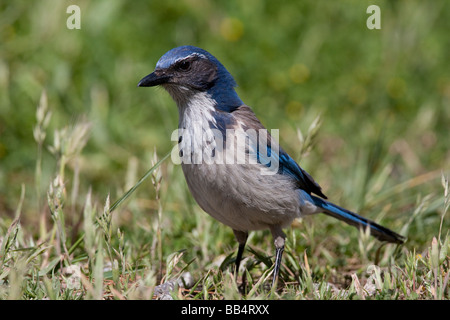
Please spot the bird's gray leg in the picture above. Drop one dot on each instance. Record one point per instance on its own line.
(241, 238)
(279, 239)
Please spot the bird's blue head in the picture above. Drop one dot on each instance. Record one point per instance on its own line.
(187, 70)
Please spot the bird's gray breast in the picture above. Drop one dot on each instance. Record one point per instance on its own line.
(240, 197)
(236, 194)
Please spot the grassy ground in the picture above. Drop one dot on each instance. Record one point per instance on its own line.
(76, 134)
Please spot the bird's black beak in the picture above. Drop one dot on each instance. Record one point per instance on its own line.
(154, 79)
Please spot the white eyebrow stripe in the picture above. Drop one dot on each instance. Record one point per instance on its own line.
(191, 55)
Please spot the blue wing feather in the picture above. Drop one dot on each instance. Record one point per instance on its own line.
(286, 165)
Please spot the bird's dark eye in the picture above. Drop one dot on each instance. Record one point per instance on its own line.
(184, 65)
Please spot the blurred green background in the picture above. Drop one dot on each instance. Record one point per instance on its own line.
(383, 95)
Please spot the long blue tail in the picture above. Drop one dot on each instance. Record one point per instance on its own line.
(379, 232)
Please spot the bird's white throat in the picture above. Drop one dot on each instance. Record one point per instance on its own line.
(195, 136)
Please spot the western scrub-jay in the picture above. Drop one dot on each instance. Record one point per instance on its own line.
(233, 167)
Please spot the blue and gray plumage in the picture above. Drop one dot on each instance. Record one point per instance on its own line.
(242, 195)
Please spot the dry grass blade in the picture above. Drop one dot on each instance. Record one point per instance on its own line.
(132, 189)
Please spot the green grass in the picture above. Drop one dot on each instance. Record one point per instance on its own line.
(367, 113)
